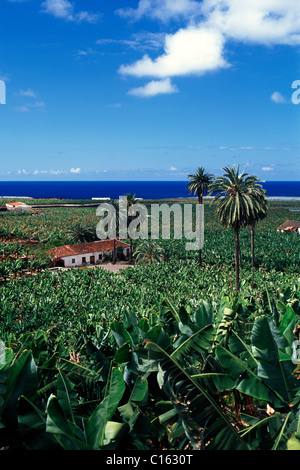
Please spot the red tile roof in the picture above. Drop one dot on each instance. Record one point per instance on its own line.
(16, 204)
(82, 248)
(290, 225)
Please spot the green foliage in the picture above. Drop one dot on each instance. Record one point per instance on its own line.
(63, 304)
(199, 182)
(172, 378)
(149, 252)
(81, 233)
(165, 355)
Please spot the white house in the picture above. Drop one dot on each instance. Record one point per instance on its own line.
(290, 226)
(100, 198)
(18, 206)
(87, 254)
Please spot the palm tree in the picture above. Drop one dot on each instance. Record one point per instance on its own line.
(81, 233)
(199, 184)
(235, 206)
(149, 252)
(260, 207)
(130, 202)
(115, 217)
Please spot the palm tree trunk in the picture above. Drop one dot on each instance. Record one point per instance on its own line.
(240, 257)
(200, 251)
(252, 251)
(115, 257)
(237, 264)
(252, 244)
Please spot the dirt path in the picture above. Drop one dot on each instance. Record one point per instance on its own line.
(114, 267)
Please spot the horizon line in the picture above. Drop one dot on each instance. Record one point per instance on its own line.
(126, 181)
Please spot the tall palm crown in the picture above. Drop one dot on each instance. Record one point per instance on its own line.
(260, 203)
(259, 212)
(232, 192)
(130, 202)
(81, 233)
(200, 182)
(236, 195)
(149, 252)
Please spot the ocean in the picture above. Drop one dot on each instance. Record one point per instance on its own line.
(115, 189)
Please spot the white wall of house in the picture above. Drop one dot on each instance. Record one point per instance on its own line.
(22, 207)
(87, 259)
(282, 231)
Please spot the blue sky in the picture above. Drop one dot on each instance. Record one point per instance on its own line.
(149, 89)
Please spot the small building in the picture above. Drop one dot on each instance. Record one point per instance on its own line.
(100, 198)
(18, 206)
(290, 226)
(87, 254)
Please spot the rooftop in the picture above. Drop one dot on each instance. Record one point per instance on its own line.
(290, 225)
(82, 248)
(16, 204)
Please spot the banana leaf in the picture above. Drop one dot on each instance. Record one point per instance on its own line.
(19, 378)
(68, 435)
(205, 424)
(95, 429)
(275, 368)
(32, 425)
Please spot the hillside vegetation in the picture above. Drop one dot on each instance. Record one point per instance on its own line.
(160, 356)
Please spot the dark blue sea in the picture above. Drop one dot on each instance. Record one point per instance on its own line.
(115, 189)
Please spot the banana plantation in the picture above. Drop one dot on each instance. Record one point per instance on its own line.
(167, 355)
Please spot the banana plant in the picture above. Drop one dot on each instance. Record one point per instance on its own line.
(18, 376)
(204, 423)
(261, 368)
(99, 431)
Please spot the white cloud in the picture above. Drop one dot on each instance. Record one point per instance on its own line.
(142, 41)
(173, 168)
(26, 108)
(188, 51)
(57, 172)
(65, 10)
(51, 172)
(85, 53)
(224, 147)
(156, 87)
(208, 26)
(277, 97)
(58, 8)
(86, 16)
(4, 77)
(29, 93)
(267, 168)
(163, 10)
(40, 172)
(258, 21)
(80, 53)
